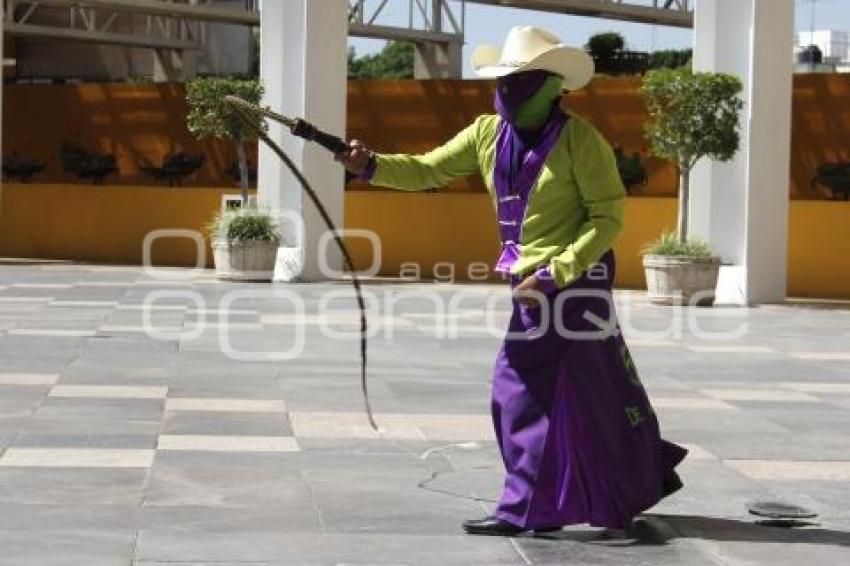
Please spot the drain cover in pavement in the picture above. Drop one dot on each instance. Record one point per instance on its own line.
(777, 510)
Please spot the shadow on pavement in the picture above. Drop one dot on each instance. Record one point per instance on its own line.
(659, 529)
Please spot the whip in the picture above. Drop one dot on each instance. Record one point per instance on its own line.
(250, 113)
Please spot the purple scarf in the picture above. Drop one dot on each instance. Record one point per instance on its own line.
(519, 160)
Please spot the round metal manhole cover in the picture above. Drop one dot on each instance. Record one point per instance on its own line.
(778, 510)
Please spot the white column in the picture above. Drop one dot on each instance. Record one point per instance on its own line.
(303, 66)
(741, 207)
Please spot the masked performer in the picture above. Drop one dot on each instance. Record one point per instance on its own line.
(577, 434)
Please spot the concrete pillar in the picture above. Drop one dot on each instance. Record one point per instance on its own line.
(432, 61)
(303, 66)
(171, 65)
(741, 207)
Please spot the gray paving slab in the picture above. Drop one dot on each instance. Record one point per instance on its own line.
(347, 495)
(235, 424)
(72, 486)
(266, 543)
(102, 535)
(174, 484)
(117, 410)
(78, 425)
(27, 439)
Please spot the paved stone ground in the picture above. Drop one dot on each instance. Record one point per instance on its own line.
(123, 448)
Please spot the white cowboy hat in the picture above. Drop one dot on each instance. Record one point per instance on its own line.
(529, 48)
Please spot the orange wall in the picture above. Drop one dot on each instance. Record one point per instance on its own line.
(137, 123)
(820, 128)
(144, 122)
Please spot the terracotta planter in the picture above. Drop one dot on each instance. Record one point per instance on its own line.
(244, 261)
(681, 280)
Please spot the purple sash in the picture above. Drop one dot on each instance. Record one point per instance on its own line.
(512, 201)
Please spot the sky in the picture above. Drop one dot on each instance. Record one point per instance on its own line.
(487, 24)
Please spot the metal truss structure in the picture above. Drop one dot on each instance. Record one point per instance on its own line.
(157, 24)
(675, 13)
(428, 21)
(181, 24)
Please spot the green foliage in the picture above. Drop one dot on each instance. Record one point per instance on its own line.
(610, 56)
(811, 54)
(692, 115)
(20, 167)
(631, 169)
(605, 45)
(670, 58)
(85, 165)
(835, 176)
(394, 61)
(244, 225)
(209, 114)
(668, 244)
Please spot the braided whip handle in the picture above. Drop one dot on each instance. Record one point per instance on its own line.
(249, 113)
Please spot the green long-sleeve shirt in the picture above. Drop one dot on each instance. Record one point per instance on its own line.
(575, 209)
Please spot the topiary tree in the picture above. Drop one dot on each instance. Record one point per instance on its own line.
(811, 54)
(605, 46)
(691, 116)
(210, 116)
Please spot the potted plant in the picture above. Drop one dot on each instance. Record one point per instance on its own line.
(22, 168)
(835, 176)
(85, 165)
(175, 166)
(691, 116)
(244, 242)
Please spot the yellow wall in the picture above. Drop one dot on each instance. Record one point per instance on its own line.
(818, 249)
(460, 228)
(103, 223)
(109, 223)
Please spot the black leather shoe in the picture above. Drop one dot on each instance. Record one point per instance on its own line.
(492, 526)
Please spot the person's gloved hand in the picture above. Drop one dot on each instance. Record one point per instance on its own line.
(356, 158)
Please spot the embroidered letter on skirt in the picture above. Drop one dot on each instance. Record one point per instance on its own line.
(577, 433)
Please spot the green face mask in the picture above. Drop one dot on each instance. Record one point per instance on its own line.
(533, 113)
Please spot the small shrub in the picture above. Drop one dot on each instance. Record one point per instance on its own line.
(247, 224)
(668, 244)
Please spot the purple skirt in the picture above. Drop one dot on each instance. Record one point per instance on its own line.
(576, 430)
